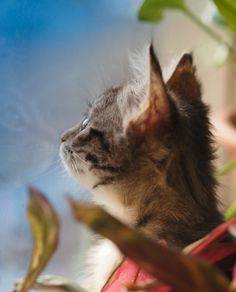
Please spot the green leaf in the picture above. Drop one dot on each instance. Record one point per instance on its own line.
(228, 167)
(218, 19)
(45, 231)
(227, 9)
(153, 10)
(231, 212)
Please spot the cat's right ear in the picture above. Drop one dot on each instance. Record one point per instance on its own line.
(183, 82)
(156, 107)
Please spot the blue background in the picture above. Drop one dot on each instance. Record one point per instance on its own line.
(54, 56)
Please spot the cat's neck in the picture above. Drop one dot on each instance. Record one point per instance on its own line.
(158, 211)
(112, 201)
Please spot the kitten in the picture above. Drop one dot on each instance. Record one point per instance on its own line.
(145, 151)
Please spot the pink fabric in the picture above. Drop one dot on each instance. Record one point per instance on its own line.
(130, 273)
(125, 274)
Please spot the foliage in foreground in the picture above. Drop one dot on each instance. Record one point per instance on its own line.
(154, 266)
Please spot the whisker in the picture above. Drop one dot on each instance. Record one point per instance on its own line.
(73, 164)
(77, 156)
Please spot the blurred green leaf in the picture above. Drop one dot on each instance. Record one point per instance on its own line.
(231, 212)
(227, 9)
(184, 272)
(218, 19)
(45, 228)
(153, 10)
(227, 168)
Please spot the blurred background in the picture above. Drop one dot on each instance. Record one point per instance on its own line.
(55, 56)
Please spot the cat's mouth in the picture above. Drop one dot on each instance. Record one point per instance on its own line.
(70, 160)
(65, 152)
(77, 166)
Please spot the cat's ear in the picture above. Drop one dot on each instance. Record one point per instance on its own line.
(183, 82)
(156, 106)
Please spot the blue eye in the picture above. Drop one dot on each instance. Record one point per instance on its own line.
(84, 123)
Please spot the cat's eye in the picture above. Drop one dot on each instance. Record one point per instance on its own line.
(84, 123)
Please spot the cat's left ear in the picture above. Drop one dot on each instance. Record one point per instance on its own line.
(156, 107)
(183, 82)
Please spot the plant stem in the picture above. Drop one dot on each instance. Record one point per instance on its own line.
(208, 30)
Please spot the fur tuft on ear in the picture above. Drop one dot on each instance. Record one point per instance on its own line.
(183, 82)
(139, 69)
(156, 104)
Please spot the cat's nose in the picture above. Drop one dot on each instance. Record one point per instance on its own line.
(69, 134)
(65, 136)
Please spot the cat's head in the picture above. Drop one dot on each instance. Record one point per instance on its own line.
(144, 133)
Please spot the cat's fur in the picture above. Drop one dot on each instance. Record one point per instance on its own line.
(146, 154)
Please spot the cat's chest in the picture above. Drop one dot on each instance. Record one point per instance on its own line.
(109, 199)
(103, 259)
